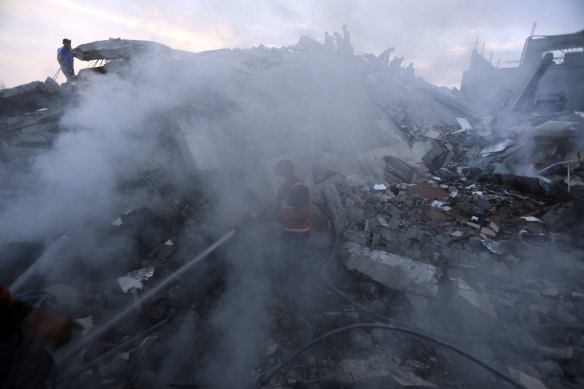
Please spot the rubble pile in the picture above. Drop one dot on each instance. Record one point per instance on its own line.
(481, 252)
(428, 213)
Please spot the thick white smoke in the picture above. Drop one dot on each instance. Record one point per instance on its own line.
(238, 109)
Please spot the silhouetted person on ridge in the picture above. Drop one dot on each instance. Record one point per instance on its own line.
(395, 63)
(561, 101)
(409, 70)
(65, 57)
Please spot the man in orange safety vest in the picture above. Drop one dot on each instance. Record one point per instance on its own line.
(294, 210)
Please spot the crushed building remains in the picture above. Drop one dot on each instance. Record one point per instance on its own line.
(547, 67)
(133, 199)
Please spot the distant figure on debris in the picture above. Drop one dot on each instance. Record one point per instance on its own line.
(24, 360)
(561, 101)
(65, 57)
(347, 48)
(294, 204)
(395, 63)
(409, 71)
(343, 43)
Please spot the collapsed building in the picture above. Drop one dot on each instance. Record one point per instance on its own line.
(446, 248)
(545, 74)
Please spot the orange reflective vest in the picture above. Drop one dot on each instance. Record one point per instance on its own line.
(295, 225)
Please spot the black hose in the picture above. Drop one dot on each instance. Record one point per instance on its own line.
(406, 330)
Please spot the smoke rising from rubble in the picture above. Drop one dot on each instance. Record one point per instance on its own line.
(239, 110)
(108, 140)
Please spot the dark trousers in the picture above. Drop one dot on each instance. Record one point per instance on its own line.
(25, 363)
(68, 72)
(290, 268)
(291, 252)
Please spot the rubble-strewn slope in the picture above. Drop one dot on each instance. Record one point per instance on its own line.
(114, 181)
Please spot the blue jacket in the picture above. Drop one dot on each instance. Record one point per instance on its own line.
(65, 57)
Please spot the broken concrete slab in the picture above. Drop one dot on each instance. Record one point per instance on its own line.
(434, 157)
(360, 237)
(527, 380)
(26, 98)
(392, 270)
(120, 49)
(556, 352)
(478, 300)
(464, 124)
(397, 168)
(496, 148)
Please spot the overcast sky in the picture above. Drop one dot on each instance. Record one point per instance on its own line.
(436, 35)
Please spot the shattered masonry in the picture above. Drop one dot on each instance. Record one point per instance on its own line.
(455, 212)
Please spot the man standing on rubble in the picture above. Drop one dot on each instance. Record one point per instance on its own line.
(65, 57)
(24, 360)
(561, 101)
(294, 210)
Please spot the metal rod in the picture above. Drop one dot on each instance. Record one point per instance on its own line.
(130, 308)
(556, 164)
(562, 163)
(568, 178)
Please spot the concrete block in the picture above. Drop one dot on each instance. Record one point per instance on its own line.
(418, 303)
(388, 236)
(52, 86)
(392, 270)
(488, 232)
(473, 225)
(393, 211)
(556, 352)
(528, 381)
(355, 215)
(494, 227)
(431, 158)
(414, 235)
(359, 237)
(394, 223)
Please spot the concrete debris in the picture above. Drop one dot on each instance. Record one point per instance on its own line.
(397, 170)
(462, 216)
(496, 148)
(495, 247)
(169, 243)
(133, 280)
(120, 49)
(85, 323)
(406, 379)
(391, 270)
(556, 353)
(29, 97)
(527, 380)
(464, 124)
(478, 300)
